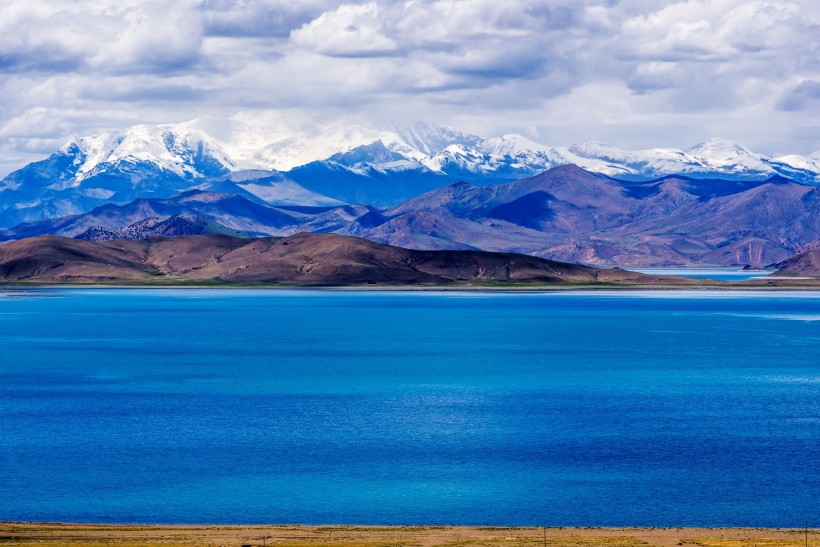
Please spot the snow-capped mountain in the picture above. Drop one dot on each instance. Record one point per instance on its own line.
(144, 161)
(281, 140)
(716, 158)
(178, 150)
(508, 157)
(288, 158)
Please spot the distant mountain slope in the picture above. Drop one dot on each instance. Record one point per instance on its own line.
(175, 226)
(303, 259)
(223, 213)
(716, 158)
(565, 214)
(283, 159)
(87, 173)
(572, 215)
(375, 184)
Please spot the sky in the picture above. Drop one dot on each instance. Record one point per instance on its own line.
(632, 73)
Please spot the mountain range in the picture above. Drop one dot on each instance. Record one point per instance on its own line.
(194, 211)
(422, 187)
(565, 213)
(282, 159)
(573, 215)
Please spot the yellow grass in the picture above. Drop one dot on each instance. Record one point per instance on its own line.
(53, 535)
(797, 541)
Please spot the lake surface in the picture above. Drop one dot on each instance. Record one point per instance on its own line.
(720, 274)
(252, 406)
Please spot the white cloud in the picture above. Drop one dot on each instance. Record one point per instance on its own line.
(631, 72)
(160, 38)
(258, 18)
(350, 30)
(35, 123)
(131, 36)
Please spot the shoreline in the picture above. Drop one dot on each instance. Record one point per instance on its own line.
(712, 286)
(45, 534)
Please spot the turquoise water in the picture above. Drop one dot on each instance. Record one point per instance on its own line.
(720, 274)
(241, 406)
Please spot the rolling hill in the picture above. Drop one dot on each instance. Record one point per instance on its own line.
(302, 259)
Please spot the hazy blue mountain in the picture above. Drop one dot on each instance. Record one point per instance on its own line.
(175, 226)
(572, 215)
(225, 213)
(367, 184)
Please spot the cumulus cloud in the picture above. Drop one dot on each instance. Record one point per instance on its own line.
(258, 18)
(634, 72)
(35, 123)
(130, 36)
(350, 30)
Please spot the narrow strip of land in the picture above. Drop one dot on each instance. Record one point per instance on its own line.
(47, 535)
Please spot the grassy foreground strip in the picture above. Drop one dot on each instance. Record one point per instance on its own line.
(47, 535)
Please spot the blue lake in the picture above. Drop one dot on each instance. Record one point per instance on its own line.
(253, 406)
(719, 274)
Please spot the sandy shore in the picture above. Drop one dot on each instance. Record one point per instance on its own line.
(42, 535)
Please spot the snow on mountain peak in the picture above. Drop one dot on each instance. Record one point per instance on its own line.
(798, 164)
(598, 150)
(433, 139)
(613, 161)
(719, 149)
(237, 154)
(91, 151)
(512, 144)
(730, 157)
(173, 148)
(283, 140)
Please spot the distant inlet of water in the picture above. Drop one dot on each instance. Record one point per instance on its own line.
(720, 274)
(654, 408)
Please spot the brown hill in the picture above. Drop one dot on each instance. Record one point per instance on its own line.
(805, 263)
(302, 259)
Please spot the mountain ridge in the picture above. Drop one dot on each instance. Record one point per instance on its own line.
(572, 215)
(284, 159)
(231, 212)
(565, 214)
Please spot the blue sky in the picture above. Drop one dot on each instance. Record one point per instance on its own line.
(634, 73)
